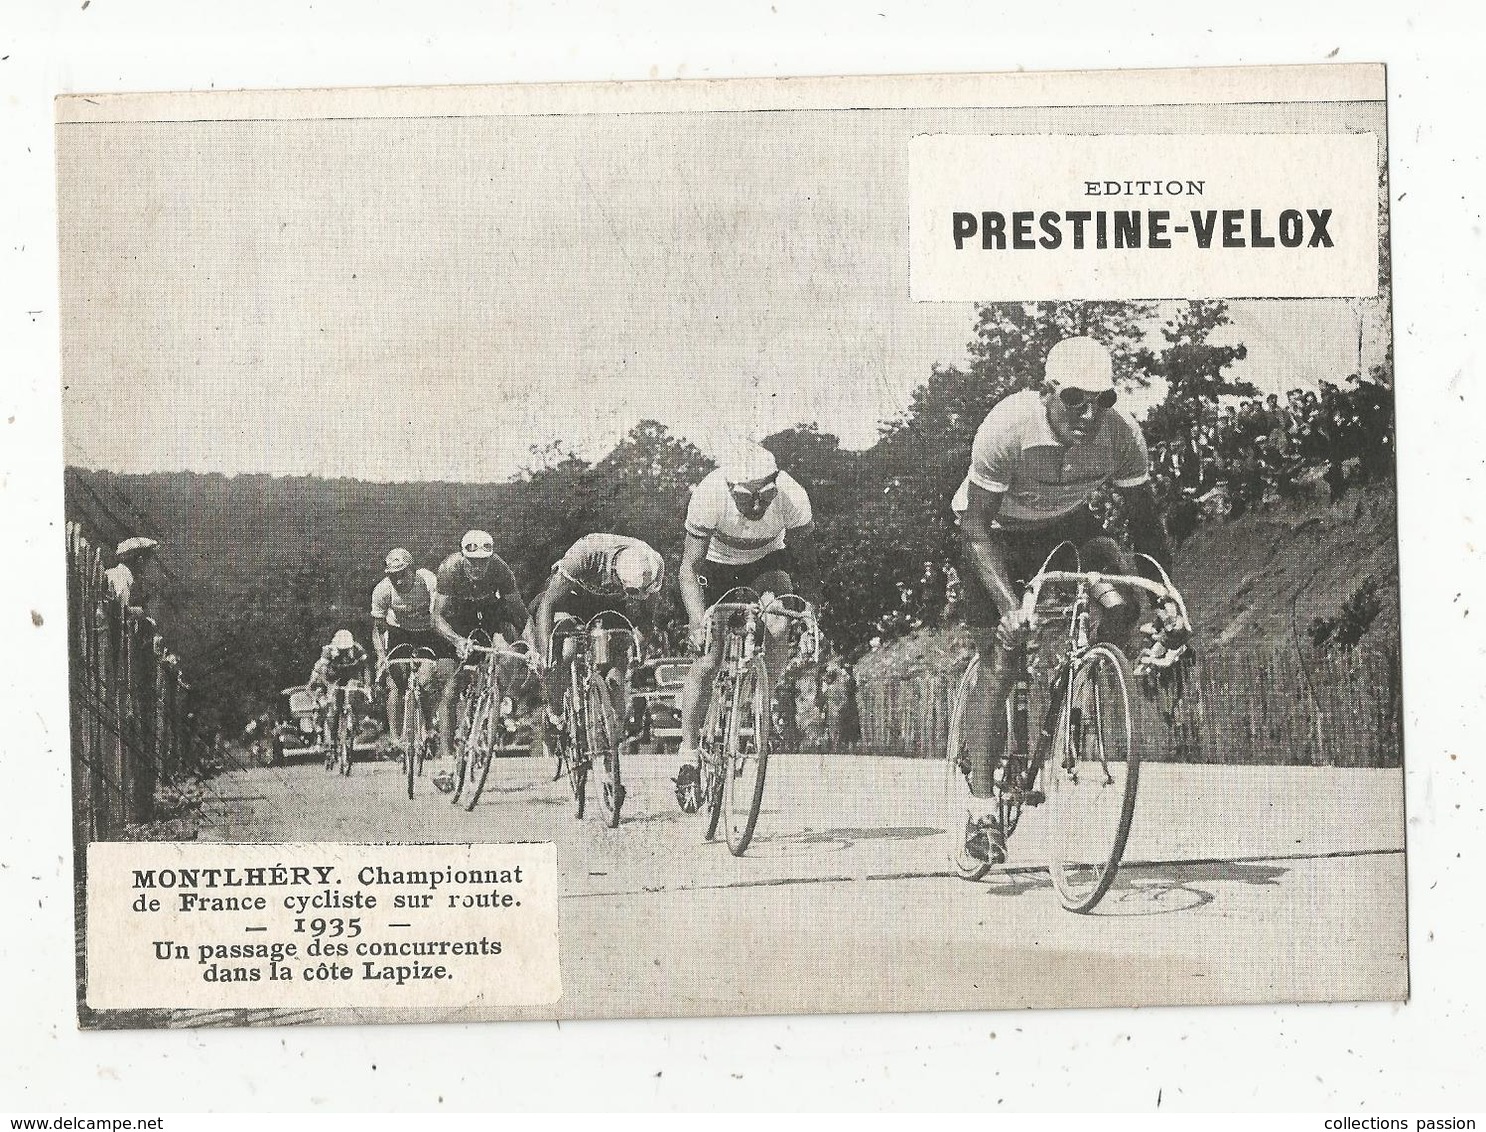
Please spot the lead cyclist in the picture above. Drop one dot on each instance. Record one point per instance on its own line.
(1038, 459)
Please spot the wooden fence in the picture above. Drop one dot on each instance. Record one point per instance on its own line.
(1263, 706)
(130, 728)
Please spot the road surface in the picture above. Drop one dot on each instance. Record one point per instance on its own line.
(1242, 884)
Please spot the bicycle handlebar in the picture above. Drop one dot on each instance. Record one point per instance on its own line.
(775, 608)
(520, 651)
(1158, 590)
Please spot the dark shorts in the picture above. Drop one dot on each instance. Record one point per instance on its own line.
(464, 620)
(419, 643)
(583, 607)
(1028, 550)
(717, 578)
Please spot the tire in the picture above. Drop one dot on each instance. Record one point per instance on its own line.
(346, 745)
(748, 755)
(574, 740)
(1092, 774)
(712, 771)
(412, 734)
(603, 748)
(957, 781)
(464, 711)
(481, 744)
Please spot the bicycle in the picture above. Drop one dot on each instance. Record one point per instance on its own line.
(339, 753)
(735, 739)
(1085, 765)
(416, 736)
(590, 733)
(480, 735)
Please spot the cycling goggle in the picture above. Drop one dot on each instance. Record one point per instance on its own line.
(749, 499)
(1078, 398)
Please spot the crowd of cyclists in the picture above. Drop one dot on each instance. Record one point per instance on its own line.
(748, 525)
(1041, 462)
(1241, 457)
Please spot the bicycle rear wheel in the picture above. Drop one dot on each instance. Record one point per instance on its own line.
(603, 748)
(1093, 772)
(748, 755)
(957, 779)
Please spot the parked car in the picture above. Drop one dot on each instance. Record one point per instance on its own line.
(654, 716)
(297, 731)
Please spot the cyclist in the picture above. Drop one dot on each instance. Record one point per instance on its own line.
(1037, 460)
(600, 573)
(475, 589)
(748, 524)
(342, 662)
(402, 615)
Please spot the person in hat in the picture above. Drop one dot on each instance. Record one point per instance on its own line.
(126, 578)
(342, 663)
(1037, 461)
(402, 620)
(749, 524)
(600, 573)
(475, 590)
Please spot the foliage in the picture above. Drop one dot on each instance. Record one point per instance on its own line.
(265, 568)
(1346, 629)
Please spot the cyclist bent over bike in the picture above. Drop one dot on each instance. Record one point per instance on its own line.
(475, 590)
(1037, 460)
(737, 525)
(599, 574)
(342, 662)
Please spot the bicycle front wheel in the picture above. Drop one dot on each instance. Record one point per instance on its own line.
(480, 743)
(1092, 774)
(748, 755)
(603, 748)
(346, 745)
(412, 734)
(957, 779)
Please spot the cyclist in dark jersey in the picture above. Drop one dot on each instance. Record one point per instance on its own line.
(475, 590)
(600, 573)
(342, 663)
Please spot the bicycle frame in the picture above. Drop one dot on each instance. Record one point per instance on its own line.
(729, 747)
(587, 741)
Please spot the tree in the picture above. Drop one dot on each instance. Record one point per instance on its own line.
(1190, 363)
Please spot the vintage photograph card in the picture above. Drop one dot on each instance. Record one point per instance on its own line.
(732, 547)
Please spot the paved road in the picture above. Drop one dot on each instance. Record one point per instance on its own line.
(1247, 885)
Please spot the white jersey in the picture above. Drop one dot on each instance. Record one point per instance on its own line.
(736, 541)
(413, 610)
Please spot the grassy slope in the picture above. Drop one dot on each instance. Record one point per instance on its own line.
(1258, 580)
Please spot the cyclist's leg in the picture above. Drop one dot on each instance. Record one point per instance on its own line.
(1119, 607)
(776, 640)
(985, 713)
(561, 649)
(696, 697)
(451, 675)
(393, 681)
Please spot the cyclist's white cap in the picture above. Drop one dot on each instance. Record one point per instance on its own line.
(477, 544)
(746, 462)
(1080, 363)
(342, 640)
(134, 546)
(398, 560)
(640, 569)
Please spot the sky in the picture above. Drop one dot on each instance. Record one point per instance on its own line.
(408, 299)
